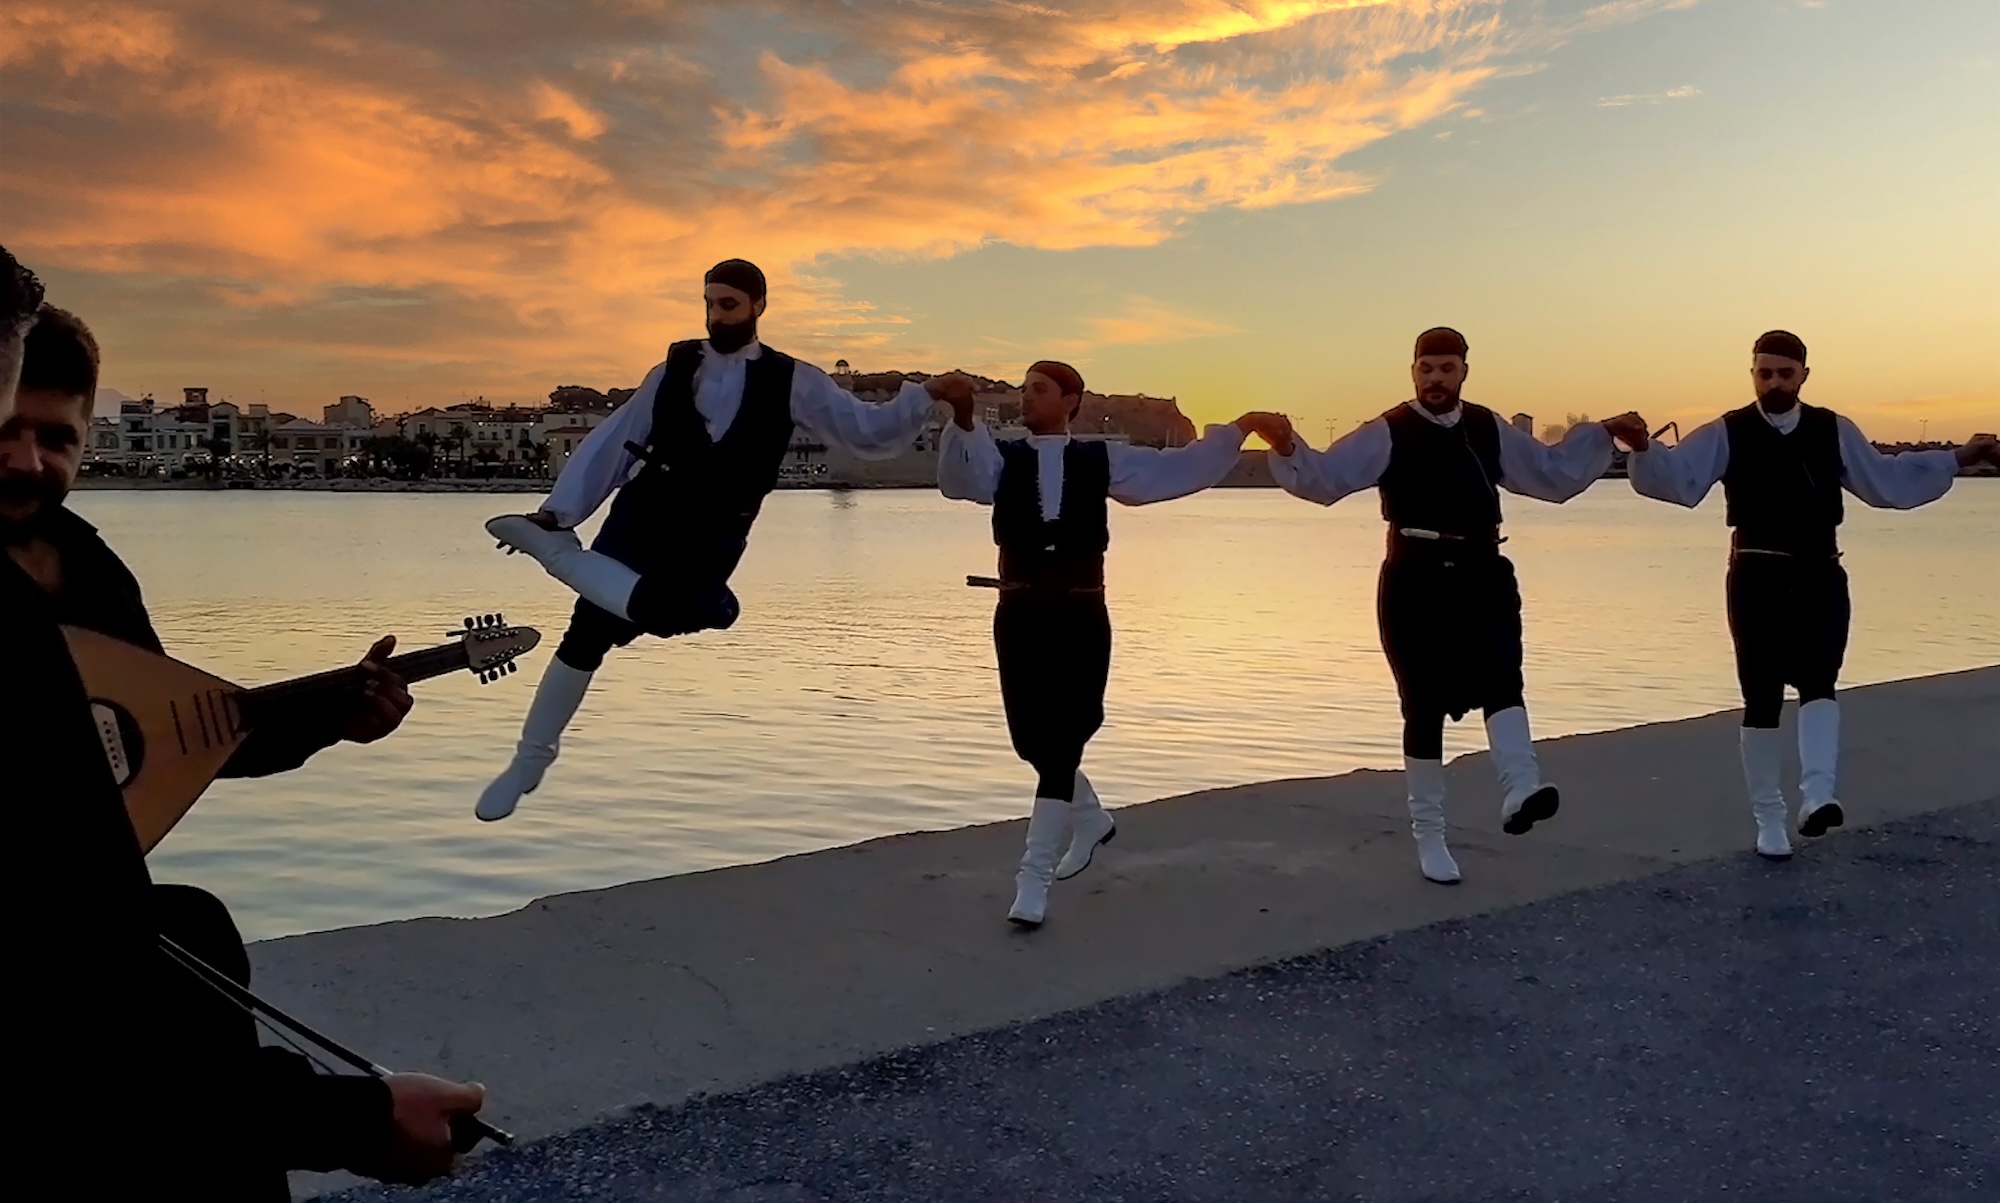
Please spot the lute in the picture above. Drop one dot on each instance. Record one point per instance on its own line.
(168, 728)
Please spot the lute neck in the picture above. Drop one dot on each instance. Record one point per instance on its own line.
(410, 666)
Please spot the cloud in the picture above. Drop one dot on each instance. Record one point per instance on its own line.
(1681, 93)
(431, 196)
(1146, 321)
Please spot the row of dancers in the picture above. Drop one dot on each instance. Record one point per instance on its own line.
(110, 953)
(693, 453)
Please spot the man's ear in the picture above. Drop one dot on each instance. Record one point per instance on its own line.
(1803, 373)
(757, 307)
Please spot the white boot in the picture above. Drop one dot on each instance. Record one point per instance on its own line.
(1819, 758)
(1763, 760)
(1425, 780)
(1527, 801)
(596, 577)
(1048, 826)
(1090, 826)
(556, 700)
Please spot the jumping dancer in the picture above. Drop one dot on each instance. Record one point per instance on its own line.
(1051, 628)
(1447, 602)
(1782, 465)
(707, 432)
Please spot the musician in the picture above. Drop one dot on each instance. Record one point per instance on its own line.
(1783, 465)
(1051, 628)
(1447, 601)
(692, 455)
(41, 450)
(136, 1078)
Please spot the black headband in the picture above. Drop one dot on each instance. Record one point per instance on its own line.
(1440, 340)
(740, 274)
(1780, 342)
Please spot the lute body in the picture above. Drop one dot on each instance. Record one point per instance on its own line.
(168, 728)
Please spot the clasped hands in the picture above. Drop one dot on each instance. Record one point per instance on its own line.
(1979, 447)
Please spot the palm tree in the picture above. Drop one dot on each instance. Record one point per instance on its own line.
(259, 440)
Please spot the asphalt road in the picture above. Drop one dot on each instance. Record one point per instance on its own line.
(1824, 1030)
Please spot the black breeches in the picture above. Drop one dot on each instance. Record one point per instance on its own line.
(683, 588)
(1055, 659)
(1451, 629)
(1788, 617)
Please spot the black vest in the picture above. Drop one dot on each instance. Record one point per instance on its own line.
(1071, 547)
(717, 486)
(1443, 478)
(1784, 489)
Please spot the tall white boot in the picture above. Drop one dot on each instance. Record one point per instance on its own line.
(556, 700)
(1763, 762)
(1090, 826)
(1819, 759)
(1527, 801)
(1425, 780)
(596, 577)
(1048, 826)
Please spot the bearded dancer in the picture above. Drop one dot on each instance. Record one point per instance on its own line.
(1051, 629)
(1783, 464)
(1447, 602)
(707, 432)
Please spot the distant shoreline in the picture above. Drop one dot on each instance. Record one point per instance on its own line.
(1246, 477)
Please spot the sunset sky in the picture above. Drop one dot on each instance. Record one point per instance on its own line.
(1241, 204)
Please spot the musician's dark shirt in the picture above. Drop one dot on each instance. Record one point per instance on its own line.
(127, 1082)
(100, 593)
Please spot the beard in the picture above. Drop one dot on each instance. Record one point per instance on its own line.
(731, 336)
(1438, 398)
(25, 498)
(1777, 400)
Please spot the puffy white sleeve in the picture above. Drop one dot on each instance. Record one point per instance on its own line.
(1535, 469)
(870, 431)
(601, 462)
(968, 463)
(1354, 462)
(1682, 474)
(1144, 475)
(1892, 482)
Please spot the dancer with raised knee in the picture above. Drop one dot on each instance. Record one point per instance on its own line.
(1448, 604)
(707, 433)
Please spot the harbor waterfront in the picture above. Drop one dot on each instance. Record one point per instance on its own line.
(854, 699)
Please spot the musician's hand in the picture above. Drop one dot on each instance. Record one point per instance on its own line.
(384, 701)
(421, 1148)
(1981, 446)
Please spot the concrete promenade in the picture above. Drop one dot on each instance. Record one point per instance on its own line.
(1583, 1018)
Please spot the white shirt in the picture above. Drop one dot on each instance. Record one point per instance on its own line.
(1528, 466)
(601, 462)
(1684, 474)
(969, 466)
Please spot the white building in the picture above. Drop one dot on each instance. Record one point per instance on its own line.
(315, 448)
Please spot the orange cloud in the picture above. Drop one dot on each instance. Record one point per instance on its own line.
(318, 197)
